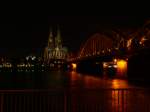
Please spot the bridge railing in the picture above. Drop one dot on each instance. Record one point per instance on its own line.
(84, 100)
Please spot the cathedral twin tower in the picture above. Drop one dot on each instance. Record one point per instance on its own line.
(54, 52)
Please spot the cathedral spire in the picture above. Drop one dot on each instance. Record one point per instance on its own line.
(58, 38)
(50, 39)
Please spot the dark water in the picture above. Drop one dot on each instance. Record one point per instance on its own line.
(59, 79)
(117, 99)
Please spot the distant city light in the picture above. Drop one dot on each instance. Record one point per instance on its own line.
(105, 65)
(129, 42)
(115, 66)
(115, 60)
(143, 39)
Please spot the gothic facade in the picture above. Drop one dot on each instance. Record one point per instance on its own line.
(54, 49)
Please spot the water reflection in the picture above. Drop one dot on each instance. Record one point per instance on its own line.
(120, 98)
(89, 81)
(59, 79)
(119, 83)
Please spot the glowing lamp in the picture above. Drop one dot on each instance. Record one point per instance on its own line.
(121, 68)
(122, 64)
(74, 66)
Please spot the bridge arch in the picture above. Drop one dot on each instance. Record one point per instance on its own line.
(98, 44)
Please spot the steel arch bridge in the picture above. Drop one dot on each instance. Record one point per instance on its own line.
(103, 45)
(96, 45)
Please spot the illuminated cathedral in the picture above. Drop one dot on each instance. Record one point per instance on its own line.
(55, 53)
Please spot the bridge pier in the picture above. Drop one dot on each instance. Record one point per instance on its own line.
(90, 67)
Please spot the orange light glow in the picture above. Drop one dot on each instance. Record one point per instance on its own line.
(74, 66)
(122, 67)
(115, 84)
(143, 39)
(118, 83)
(129, 42)
(121, 64)
(105, 65)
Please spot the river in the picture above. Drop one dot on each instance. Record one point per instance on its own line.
(84, 92)
(59, 79)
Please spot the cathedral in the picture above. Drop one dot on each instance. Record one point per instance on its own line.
(55, 53)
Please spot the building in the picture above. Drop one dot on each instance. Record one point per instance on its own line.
(55, 53)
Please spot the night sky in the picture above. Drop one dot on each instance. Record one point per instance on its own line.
(23, 35)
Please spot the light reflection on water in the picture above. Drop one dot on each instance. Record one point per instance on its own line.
(108, 100)
(89, 81)
(60, 79)
(122, 98)
(118, 83)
